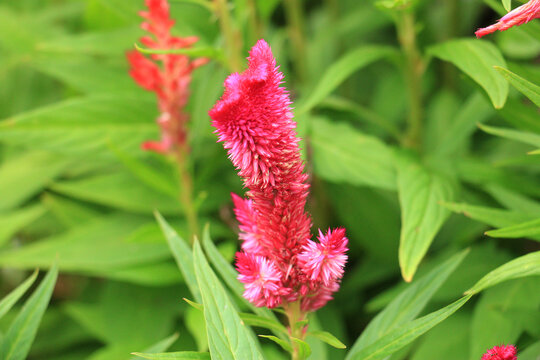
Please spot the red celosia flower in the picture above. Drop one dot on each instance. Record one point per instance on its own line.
(504, 352)
(518, 16)
(254, 120)
(170, 79)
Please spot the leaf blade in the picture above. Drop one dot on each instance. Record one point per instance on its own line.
(20, 335)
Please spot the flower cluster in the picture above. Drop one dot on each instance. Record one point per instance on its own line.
(279, 264)
(503, 352)
(168, 75)
(518, 16)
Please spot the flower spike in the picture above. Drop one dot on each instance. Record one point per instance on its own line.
(168, 75)
(279, 263)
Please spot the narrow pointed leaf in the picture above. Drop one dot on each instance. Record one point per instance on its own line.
(521, 136)
(491, 216)
(327, 338)
(20, 335)
(182, 355)
(13, 221)
(23, 176)
(420, 193)
(162, 345)
(10, 299)
(400, 337)
(194, 304)
(529, 229)
(182, 254)
(507, 4)
(256, 320)
(408, 304)
(526, 265)
(341, 70)
(477, 58)
(228, 336)
(342, 154)
(284, 344)
(527, 88)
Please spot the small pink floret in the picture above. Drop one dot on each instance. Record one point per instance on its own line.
(518, 16)
(503, 352)
(261, 279)
(324, 261)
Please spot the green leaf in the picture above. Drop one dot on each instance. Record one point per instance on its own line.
(475, 110)
(526, 265)
(398, 338)
(228, 337)
(527, 88)
(182, 254)
(195, 323)
(521, 136)
(491, 216)
(507, 4)
(531, 352)
(182, 355)
(477, 58)
(20, 335)
(161, 345)
(526, 229)
(420, 193)
(343, 154)
(284, 344)
(327, 338)
(197, 52)
(110, 317)
(158, 180)
(407, 305)
(341, 70)
(97, 78)
(24, 176)
(10, 299)
(113, 243)
(120, 190)
(260, 321)
(194, 304)
(12, 221)
(84, 126)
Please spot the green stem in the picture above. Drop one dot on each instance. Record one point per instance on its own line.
(294, 315)
(232, 36)
(294, 13)
(186, 193)
(414, 69)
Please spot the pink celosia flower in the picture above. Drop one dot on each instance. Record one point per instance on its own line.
(170, 79)
(325, 261)
(254, 120)
(504, 352)
(262, 280)
(518, 16)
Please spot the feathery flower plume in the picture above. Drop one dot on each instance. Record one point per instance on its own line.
(518, 16)
(503, 352)
(279, 264)
(168, 75)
